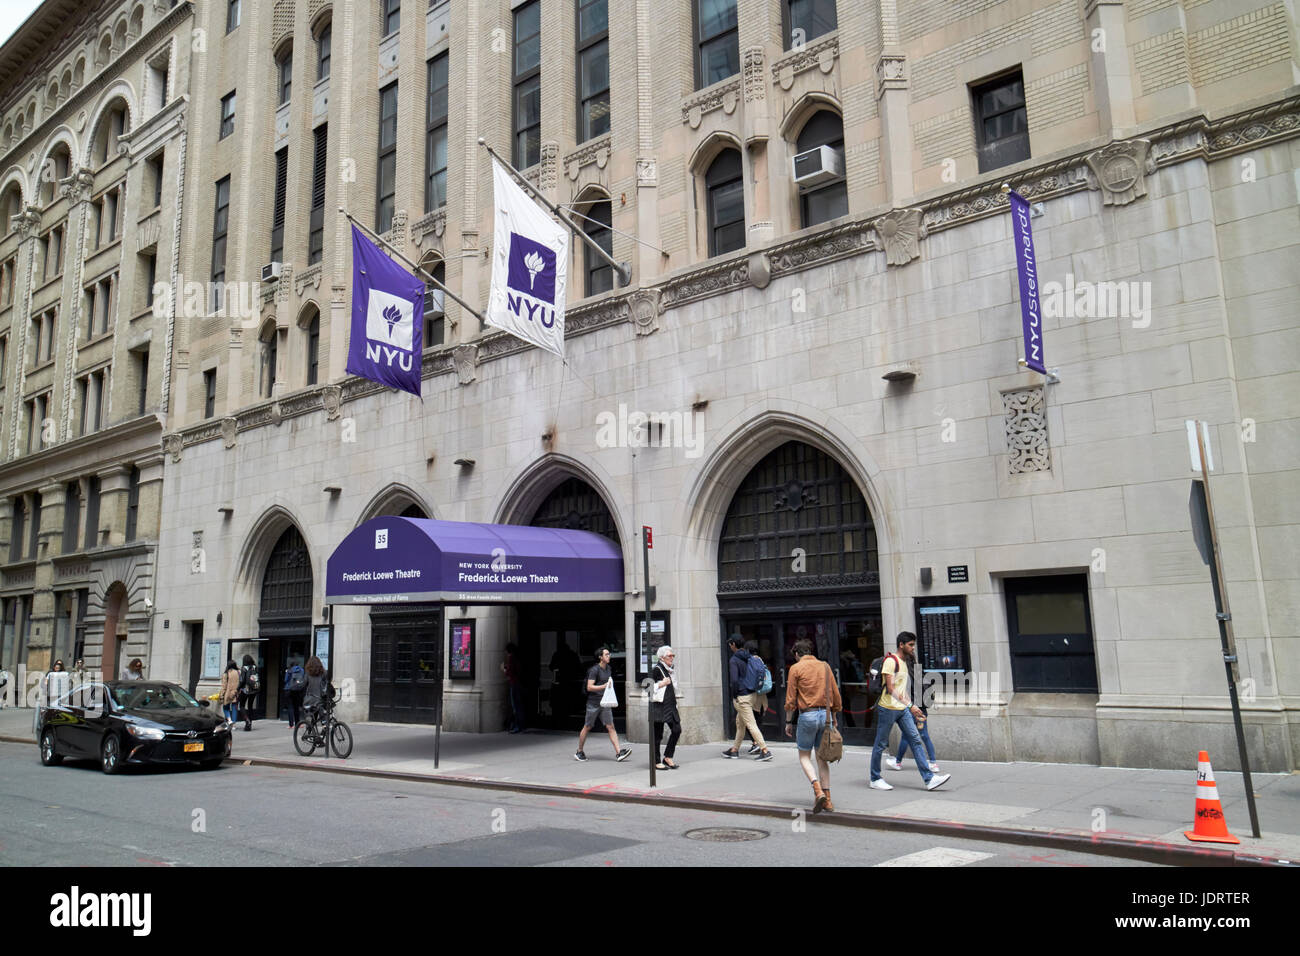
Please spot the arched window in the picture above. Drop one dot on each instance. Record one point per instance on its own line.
(270, 353)
(113, 123)
(597, 225)
(11, 204)
(435, 301)
(323, 40)
(576, 505)
(826, 198)
(725, 203)
(286, 584)
(796, 497)
(56, 166)
(312, 331)
(284, 74)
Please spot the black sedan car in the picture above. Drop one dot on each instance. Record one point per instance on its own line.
(132, 722)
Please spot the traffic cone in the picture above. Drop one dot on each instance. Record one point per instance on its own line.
(1210, 826)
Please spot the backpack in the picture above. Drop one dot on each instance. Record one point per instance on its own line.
(755, 673)
(876, 683)
(766, 686)
(250, 681)
(297, 678)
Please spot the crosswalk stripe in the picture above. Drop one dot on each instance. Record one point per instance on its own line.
(938, 856)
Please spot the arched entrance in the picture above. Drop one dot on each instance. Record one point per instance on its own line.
(797, 557)
(558, 642)
(283, 621)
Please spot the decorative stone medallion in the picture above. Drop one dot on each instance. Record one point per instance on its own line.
(900, 232)
(1119, 171)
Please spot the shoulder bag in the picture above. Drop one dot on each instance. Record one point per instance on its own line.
(831, 749)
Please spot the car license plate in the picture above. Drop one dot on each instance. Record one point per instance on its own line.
(194, 747)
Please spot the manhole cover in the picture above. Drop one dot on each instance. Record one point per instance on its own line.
(726, 834)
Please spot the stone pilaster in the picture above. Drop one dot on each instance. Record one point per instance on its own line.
(114, 488)
(1112, 75)
(895, 114)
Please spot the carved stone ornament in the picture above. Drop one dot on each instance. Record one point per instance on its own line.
(276, 414)
(644, 309)
(228, 428)
(465, 358)
(820, 54)
(596, 152)
(173, 445)
(755, 85)
(1119, 171)
(891, 73)
(332, 400)
(548, 170)
(28, 222)
(647, 171)
(434, 224)
(723, 96)
(77, 187)
(900, 232)
(760, 270)
(308, 277)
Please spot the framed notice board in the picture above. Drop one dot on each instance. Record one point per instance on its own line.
(660, 634)
(942, 639)
(463, 650)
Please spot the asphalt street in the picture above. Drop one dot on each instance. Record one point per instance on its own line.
(73, 815)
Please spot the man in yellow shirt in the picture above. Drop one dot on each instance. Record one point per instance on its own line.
(896, 707)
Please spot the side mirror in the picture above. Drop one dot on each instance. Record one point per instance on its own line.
(205, 703)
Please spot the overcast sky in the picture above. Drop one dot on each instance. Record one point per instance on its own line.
(13, 13)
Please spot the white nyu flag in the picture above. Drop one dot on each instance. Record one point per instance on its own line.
(530, 267)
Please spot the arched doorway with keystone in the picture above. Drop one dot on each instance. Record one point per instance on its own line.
(797, 558)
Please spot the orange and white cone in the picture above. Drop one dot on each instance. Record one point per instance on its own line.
(1210, 826)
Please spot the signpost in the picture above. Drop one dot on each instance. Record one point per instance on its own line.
(1207, 542)
(647, 542)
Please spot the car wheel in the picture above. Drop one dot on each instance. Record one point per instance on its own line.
(49, 757)
(110, 754)
(212, 764)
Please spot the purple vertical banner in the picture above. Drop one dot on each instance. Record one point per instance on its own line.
(387, 319)
(1031, 314)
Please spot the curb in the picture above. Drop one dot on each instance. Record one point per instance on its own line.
(1143, 850)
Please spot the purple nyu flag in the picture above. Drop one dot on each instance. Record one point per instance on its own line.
(387, 313)
(1031, 314)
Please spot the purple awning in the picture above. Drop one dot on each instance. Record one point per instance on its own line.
(392, 559)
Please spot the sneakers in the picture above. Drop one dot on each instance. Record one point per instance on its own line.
(938, 781)
(730, 754)
(764, 756)
(624, 753)
(753, 749)
(580, 756)
(881, 785)
(893, 764)
(934, 768)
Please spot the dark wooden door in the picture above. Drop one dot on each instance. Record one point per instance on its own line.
(406, 650)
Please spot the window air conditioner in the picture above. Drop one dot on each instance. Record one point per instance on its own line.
(271, 271)
(435, 302)
(821, 164)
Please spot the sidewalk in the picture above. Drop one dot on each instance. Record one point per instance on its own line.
(1117, 810)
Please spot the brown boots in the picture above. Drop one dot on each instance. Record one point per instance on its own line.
(823, 798)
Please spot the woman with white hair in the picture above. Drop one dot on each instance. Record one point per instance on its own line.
(664, 706)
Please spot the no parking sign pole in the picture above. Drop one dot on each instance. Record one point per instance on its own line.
(647, 542)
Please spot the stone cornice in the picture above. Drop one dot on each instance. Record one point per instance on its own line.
(69, 459)
(97, 84)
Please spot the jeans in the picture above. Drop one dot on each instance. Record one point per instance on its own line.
(809, 728)
(516, 708)
(923, 728)
(231, 711)
(885, 719)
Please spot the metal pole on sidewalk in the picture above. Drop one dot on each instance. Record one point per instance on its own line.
(423, 274)
(622, 268)
(650, 703)
(1226, 638)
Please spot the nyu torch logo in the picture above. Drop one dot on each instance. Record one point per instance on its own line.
(531, 275)
(390, 330)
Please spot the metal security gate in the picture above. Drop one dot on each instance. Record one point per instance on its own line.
(405, 663)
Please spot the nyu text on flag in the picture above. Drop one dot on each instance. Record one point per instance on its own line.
(387, 311)
(530, 266)
(1031, 314)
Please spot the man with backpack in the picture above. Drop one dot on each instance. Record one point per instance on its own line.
(896, 707)
(748, 675)
(295, 686)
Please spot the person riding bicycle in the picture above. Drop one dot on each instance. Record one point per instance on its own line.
(318, 688)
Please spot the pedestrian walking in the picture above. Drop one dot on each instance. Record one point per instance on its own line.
(4, 688)
(916, 678)
(57, 682)
(230, 692)
(601, 699)
(896, 707)
(743, 680)
(663, 707)
(295, 686)
(134, 670)
(812, 699)
(249, 684)
(510, 667)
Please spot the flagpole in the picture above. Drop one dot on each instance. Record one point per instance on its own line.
(622, 268)
(428, 278)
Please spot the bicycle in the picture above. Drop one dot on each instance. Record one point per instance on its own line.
(322, 730)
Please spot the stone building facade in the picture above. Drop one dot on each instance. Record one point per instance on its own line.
(830, 364)
(92, 151)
